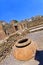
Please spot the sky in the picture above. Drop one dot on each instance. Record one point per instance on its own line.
(20, 9)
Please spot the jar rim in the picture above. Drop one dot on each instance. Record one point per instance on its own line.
(23, 45)
(28, 41)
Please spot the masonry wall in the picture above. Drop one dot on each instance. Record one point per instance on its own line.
(2, 33)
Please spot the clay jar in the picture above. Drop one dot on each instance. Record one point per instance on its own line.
(24, 49)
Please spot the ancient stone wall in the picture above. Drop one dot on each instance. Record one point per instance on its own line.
(2, 33)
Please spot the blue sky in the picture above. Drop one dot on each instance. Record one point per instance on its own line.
(20, 9)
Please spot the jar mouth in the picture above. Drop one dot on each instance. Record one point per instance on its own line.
(23, 41)
(23, 45)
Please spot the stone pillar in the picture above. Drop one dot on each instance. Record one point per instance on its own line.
(2, 33)
(19, 27)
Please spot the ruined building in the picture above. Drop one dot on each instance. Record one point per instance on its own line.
(14, 25)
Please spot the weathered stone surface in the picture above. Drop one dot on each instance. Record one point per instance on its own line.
(2, 33)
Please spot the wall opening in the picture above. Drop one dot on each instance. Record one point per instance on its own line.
(16, 27)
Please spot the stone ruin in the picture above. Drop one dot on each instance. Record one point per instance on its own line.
(2, 33)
